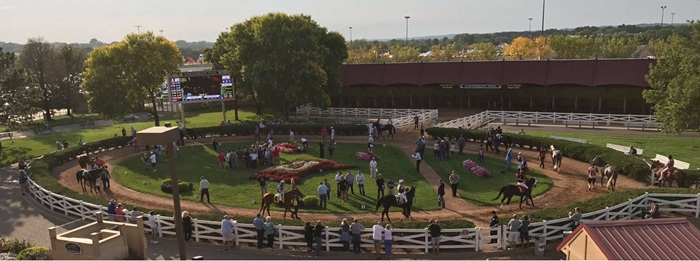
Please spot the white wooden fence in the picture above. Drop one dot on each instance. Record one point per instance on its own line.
(563, 118)
(464, 239)
(400, 117)
(567, 138)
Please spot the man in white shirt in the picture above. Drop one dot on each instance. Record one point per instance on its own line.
(153, 223)
(154, 159)
(304, 143)
(360, 182)
(370, 144)
(377, 230)
(204, 188)
(291, 136)
(230, 159)
(332, 133)
(373, 168)
(322, 195)
(338, 178)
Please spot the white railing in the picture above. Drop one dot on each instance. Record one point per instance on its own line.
(534, 117)
(400, 117)
(567, 138)
(468, 238)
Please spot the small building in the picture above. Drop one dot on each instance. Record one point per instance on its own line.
(640, 239)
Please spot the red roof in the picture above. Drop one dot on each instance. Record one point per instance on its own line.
(643, 239)
(538, 72)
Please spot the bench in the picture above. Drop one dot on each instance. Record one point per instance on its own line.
(580, 123)
(623, 149)
(677, 163)
(643, 125)
(6, 135)
(86, 124)
(567, 138)
(516, 121)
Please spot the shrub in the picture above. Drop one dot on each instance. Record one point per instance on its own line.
(310, 201)
(14, 246)
(299, 129)
(34, 253)
(166, 186)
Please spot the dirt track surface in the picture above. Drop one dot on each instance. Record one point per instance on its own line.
(569, 186)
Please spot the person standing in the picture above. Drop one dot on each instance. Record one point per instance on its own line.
(154, 160)
(204, 189)
(542, 156)
(454, 182)
(230, 159)
(351, 181)
(418, 160)
(227, 231)
(373, 167)
(214, 143)
(377, 237)
(111, 210)
(270, 230)
(495, 222)
(441, 194)
(308, 236)
(318, 232)
(263, 186)
(331, 148)
(370, 144)
(323, 135)
(332, 134)
(513, 230)
(322, 195)
(361, 182)
(187, 225)
(460, 143)
(345, 236)
(509, 158)
(291, 136)
(422, 130)
(123, 132)
(343, 188)
(415, 122)
(390, 186)
(222, 159)
(338, 178)
(23, 182)
(481, 159)
(524, 231)
(576, 217)
(435, 233)
(119, 213)
(328, 189)
(380, 186)
(135, 214)
(356, 229)
(321, 146)
(153, 223)
(259, 229)
(388, 240)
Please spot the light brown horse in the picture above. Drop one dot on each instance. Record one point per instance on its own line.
(676, 175)
(269, 198)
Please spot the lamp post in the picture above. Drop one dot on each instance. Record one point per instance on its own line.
(672, 15)
(350, 37)
(161, 32)
(529, 28)
(407, 17)
(167, 135)
(663, 9)
(138, 28)
(542, 32)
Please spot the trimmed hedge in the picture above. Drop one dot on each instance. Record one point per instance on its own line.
(630, 166)
(299, 129)
(34, 253)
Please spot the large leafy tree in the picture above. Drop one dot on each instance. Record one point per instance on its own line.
(121, 76)
(285, 60)
(16, 94)
(482, 51)
(71, 61)
(39, 59)
(675, 83)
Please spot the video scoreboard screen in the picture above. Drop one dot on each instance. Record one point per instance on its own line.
(201, 86)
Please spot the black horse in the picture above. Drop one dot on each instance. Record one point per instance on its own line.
(389, 201)
(88, 177)
(512, 190)
(386, 127)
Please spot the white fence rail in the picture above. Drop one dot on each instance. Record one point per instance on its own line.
(468, 239)
(563, 118)
(567, 138)
(400, 117)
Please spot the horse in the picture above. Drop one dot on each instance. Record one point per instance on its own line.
(609, 171)
(509, 191)
(556, 158)
(386, 127)
(84, 161)
(269, 198)
(88, 177)
(677, 175)
(506, 141)
(389, 201)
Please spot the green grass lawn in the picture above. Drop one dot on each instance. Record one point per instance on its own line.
(682, 148)
(234, 188)
(482, 190)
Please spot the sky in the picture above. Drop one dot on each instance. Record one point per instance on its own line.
(190, 20)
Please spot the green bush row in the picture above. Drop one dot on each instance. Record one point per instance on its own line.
(630, 166)
(14, 246)
(299, 129)
(34, 253)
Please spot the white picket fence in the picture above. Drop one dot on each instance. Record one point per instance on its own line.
(400, 117)
(464, 239)
(563, 118)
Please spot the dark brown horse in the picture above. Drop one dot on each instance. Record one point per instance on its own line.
(88, 177)
(385, 127)
(84, 162)
(676, 175)
(389, 201)
(509, 191)
(269, 198)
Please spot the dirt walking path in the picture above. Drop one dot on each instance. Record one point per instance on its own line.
(569, 186)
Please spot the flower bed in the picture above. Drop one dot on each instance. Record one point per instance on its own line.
(298, 168)
(366, 155)
(287, 147)
(479, 171)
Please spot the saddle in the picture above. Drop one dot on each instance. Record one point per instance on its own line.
(521, 189)
(277, 198)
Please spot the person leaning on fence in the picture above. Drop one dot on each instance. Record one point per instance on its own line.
(187, 225)
(435, 233)
(524, 231)
(135, 214)
(308, 235)
(356, 229)
(270, 231)
(345, 237)
(260, 229)
(111, 210)
(153, 223)
(377, 237)
(388, 240)
(318, 232)
(119, 213)
(513, 230)
(576, 217)
(227, 231)
(495, 222)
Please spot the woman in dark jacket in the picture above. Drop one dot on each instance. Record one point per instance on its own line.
(309, 236)
(187, 225)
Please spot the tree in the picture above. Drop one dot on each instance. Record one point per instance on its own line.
(16, 95)
(443, 54)
(675, 83)
(656, 47)
(71, 60)
(120, 77)
(619, 47)
(404, 53)
(482, 51)
(522, 48)
(39, 59)
(287, 60)
(542, 49)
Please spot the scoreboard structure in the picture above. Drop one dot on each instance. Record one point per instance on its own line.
(201, 86)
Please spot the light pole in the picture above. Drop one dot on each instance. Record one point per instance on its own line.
(542, 32)
(350, 37)
(138, 27)
(663, 9)
(161, 32)
(672, 15)
(407, 17)
(529, 28)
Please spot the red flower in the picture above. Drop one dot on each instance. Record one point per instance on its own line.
(298, 168)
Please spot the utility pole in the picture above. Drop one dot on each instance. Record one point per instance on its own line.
(663, 9)
(350, 37)
(672, 15)
(407, 17)
(529, 28)
(138, 27)
(542, 32)
(161, 32)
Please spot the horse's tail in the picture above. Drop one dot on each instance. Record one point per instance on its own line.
(379, 203)
(500, 192)
(610, 179)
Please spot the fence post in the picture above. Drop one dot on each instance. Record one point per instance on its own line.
(697, 206)
(554, 118)
(477, 239)
(235, 233)
(196, 230)
(279, 230)
(82, 215)
(160, 226)
(425, 231)
(65, 209)
(607, 213)
(544, 230)
(328, 247)
(630, 211)
(368, 114)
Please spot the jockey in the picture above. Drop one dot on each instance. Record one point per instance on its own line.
(402, 194)
(400, 188)
(668, 169)
(520, 158)
(521, 179)
(280, 190)
(632, 151)
(523, 165)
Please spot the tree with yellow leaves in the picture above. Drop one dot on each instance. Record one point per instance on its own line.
(521, 48)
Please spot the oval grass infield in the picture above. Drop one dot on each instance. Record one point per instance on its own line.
(235, 188)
